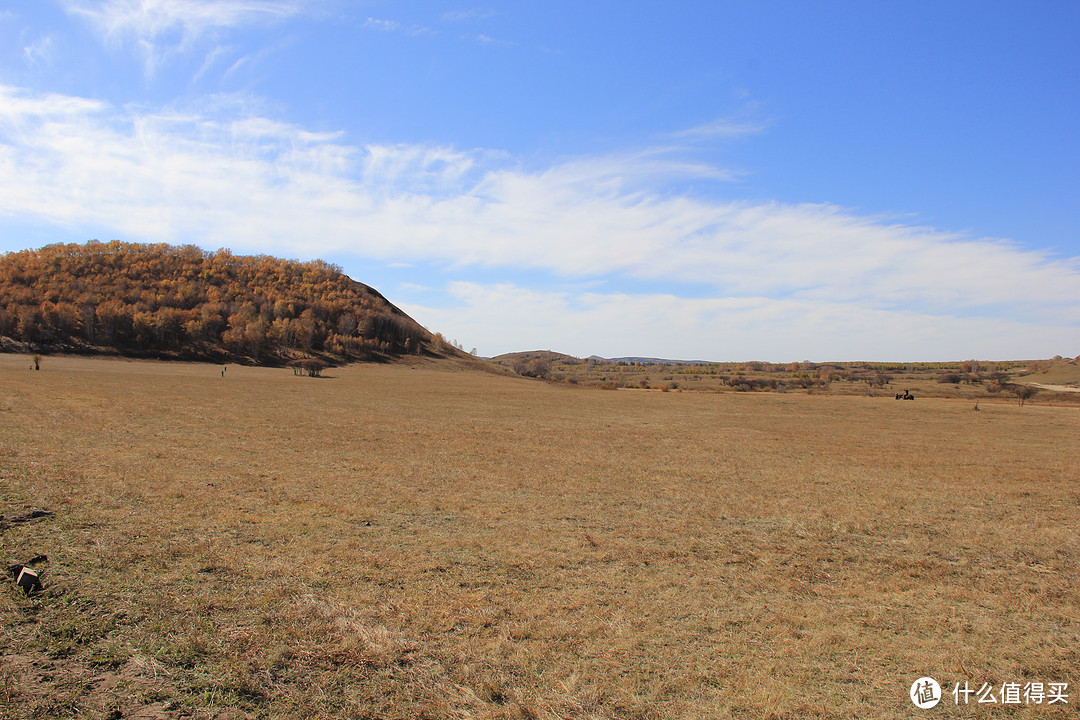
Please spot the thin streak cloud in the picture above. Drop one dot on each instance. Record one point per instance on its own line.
(467, 15)
(396, 27)
(150, 19)
(488, 40)
(723, 128)
(161, 29)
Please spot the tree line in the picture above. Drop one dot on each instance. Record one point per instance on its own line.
(185, 301)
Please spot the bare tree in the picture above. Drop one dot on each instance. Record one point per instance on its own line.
(1022, 392)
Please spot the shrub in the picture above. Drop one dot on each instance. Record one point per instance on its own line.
(312, 367)
(536, 367)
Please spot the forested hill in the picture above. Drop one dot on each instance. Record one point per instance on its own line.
(168, 301)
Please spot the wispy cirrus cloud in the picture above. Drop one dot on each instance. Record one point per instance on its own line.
(467, 15)
(396, 27)
(40, 51)
(223, 175)
(212, 58)
(723, 128)
(150, 19)
(160, 28)
(488, 40)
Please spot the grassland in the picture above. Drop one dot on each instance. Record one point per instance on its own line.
(421, 541)
(1057, 380)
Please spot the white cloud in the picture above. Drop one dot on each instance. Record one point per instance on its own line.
(488, 40)
(413, 287)
(210, 59)
(221, 175)
(723, 128)
(39, 51)
(378, 24)
(395, 26)
(160, 28)
(738, 328)
(467, 15)
(150, 19)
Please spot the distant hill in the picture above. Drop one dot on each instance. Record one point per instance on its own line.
(536, 354)
(185, 302)
(519, 359)
(565, 359)
(650, 360)
(1059, 371)
(534, 363)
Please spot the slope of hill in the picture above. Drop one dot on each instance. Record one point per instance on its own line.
(168, 301)
(1060, 371)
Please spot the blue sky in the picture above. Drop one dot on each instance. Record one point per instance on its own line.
(702, 180)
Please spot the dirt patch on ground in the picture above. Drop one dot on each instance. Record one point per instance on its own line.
(1054, 388)
(50, 687)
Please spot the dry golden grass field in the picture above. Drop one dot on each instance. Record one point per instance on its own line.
(426, 541)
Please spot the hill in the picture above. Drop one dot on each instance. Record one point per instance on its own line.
(649, 360)
(184, 302)
(1062, 372)
(535, 363)
(536, 354)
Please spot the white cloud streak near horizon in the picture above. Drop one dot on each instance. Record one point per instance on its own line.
(810, 277)
(731, 328)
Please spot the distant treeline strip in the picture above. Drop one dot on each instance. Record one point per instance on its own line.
(171, 300)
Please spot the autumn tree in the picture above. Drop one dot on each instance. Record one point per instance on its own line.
(255, 337)
(538, 367)
(312, 367)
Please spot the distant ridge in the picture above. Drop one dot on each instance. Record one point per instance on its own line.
(651, 360)
(564, 358)
(534, 354)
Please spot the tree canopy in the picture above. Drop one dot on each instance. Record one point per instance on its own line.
(183, 301)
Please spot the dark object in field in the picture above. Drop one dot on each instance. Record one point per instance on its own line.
(31, 516)
(28, 580)
(28, 517)
(25, 577)
(906, 396)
